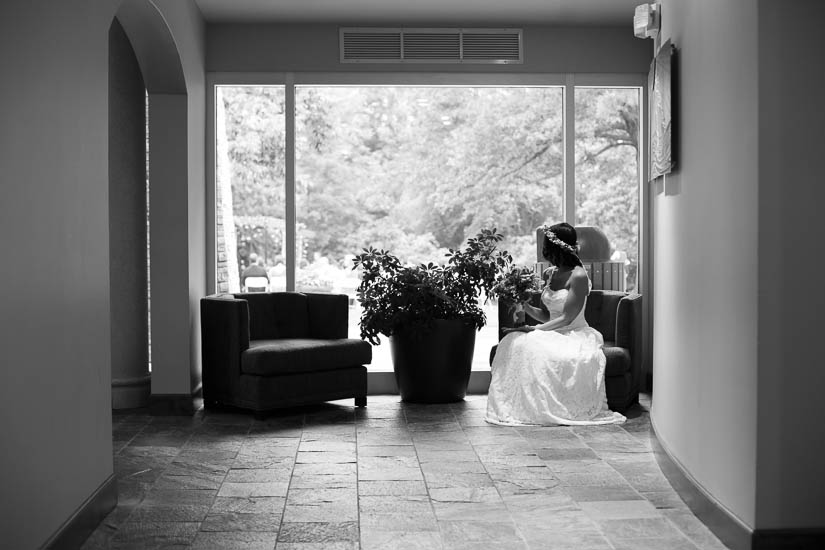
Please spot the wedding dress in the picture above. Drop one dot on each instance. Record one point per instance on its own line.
(550, 377)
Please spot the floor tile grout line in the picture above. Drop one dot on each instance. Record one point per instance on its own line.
(291, 475)
(226, 474)
(495, 486)
(606, 537)
(423, 477)
(357, 478)
(152, 487)
(131, 439)
(143, 496)
(357, 482)
(631, 486)
(695, 541)
(564, 489)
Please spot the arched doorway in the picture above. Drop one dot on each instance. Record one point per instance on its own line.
(144, 64)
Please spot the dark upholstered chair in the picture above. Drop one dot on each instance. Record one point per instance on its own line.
(263, 351)
(618, 317)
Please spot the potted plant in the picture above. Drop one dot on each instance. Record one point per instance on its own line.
(430, 313)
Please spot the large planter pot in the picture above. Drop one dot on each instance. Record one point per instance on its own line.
(434, 367)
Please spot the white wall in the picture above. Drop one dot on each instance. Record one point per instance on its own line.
(273, 48)
(169, 242)
(706, 257)
(127, 225)
(55, 399)
(791, 437)
(187, 27)
(177, 205)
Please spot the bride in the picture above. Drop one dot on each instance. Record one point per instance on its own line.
(553, 373)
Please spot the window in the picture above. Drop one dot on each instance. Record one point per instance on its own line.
(414, 169)
(607, 169)
(249, 176)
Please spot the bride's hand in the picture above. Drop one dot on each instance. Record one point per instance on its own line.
(523, 328)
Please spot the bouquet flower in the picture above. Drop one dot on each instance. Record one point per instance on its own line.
(515, 284)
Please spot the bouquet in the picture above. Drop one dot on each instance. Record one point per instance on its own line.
(515, 285)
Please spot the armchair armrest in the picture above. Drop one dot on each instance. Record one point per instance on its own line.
(628, 320)
(225, 319)
(224, 336)
(328, 315)
(629, 329)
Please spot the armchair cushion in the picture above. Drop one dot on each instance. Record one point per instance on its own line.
(303, 355)
(277, 315)
(328, 316)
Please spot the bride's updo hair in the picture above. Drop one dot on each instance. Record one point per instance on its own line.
(560, 245)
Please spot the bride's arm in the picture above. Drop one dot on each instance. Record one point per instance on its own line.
(573, 304)
(539, 313)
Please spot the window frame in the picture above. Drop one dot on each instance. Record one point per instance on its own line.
(568, 81)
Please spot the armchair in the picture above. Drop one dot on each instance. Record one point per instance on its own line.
(268, 350)
(618, 317)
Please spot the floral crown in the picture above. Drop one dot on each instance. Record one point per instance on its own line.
(551, 236)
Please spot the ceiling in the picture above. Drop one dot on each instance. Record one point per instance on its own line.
(422, 12)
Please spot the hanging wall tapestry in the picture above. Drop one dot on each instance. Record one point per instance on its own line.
(660, 96)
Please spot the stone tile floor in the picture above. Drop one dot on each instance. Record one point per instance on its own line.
(390, 476)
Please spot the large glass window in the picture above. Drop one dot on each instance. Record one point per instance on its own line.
(607, 170)
(250, 187)
(416, 170)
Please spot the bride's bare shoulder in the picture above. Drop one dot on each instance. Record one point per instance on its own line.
(578, 277)
(579, 271)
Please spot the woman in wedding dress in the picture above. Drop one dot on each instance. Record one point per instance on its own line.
(553, 373)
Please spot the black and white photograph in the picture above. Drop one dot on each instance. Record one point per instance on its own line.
(412, 275)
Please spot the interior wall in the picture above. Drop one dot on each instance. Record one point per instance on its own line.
(169, 241)
(55, 399)
(706, 257)
(188, 28)
(791, 438)
(314, 48)
(127, 224)
(171, 45)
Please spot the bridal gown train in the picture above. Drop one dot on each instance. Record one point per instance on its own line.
(550, 377)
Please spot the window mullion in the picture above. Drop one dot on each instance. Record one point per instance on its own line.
(289, 177)
(569, 208)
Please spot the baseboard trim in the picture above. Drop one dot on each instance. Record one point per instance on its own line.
(170, 404)
(131, 393)
(788, 539)
(724, 524)
(383, 383)
(75, 530)
(479, 382)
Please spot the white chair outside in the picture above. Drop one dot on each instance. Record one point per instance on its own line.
(256, 284)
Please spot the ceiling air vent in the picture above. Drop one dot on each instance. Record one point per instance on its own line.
(377, 46)
(439, 45)
(504, 46)
(425, 46)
